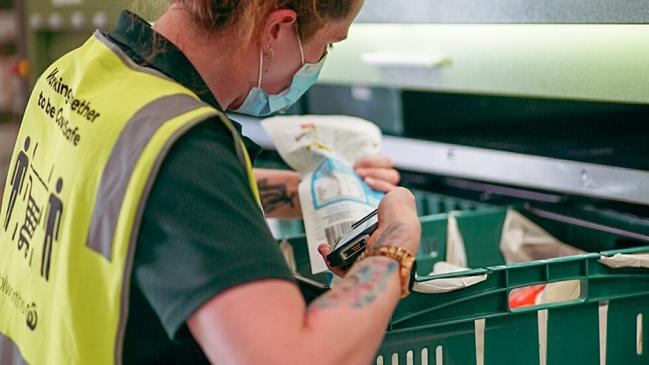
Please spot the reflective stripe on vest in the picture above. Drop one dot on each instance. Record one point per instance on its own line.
(95, 133)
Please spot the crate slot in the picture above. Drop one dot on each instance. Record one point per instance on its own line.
(639, 334)
(479, 341)
(439, 355)
(424, 356)
(410, 359)
(542, 318)
(603, 328)
(395, 359)
(379, 360)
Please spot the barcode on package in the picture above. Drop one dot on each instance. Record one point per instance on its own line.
(337, 230)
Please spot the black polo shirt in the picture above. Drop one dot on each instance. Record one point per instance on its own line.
(202, 231)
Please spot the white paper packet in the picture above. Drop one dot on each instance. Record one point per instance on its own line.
(323, 150)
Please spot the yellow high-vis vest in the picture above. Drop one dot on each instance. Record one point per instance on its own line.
(95, 133)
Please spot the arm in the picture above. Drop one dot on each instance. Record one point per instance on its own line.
(268, 322)
(57, 224)
(47, 213)
(13, 175)
(278, 190)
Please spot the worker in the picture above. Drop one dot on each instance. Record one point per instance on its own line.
(135, 232)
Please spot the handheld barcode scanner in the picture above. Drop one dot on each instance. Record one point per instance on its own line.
(353, 243)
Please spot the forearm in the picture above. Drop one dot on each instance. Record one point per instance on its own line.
(270, 320)
(344, 326)
(352, 318)
(278, 190)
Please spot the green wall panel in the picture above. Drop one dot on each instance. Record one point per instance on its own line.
(582, 62)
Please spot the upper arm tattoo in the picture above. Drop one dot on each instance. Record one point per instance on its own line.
(275, 196)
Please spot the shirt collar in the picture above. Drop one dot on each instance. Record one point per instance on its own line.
(137, 38)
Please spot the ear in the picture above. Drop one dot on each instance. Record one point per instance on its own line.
(277, 24)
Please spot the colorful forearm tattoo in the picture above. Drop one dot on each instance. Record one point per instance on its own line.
(360, 288)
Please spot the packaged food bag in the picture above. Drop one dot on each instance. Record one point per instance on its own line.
(323, 150)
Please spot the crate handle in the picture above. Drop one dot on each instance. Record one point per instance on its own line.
(542, 295)
(448, 284)
(620, 260)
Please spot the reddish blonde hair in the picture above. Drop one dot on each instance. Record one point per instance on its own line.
(244, 17)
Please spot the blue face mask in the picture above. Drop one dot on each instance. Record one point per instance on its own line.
(259, 104)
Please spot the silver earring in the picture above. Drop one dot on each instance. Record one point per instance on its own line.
(269, 52)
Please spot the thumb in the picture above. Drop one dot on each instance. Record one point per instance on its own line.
(324, 250)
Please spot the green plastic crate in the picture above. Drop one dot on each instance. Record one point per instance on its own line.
(441, 329)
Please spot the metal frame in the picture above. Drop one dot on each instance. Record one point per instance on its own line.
(570, 177)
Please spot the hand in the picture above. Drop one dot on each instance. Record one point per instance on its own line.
(378, 172)
(398, 222)
(398, 226)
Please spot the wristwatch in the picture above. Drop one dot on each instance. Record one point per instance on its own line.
(407, 263)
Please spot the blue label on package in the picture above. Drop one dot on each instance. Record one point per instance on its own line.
(334, 181)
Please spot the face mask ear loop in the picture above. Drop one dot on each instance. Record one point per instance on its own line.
(299, 41)
(261, 67)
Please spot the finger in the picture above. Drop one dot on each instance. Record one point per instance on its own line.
(374, 161)
(324, 250)
(380, 185)
(391, 176)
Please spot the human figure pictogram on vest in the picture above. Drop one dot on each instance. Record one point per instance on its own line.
(17, 181)
(32, 219)
(52, 228)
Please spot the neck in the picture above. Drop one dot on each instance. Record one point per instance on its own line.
(225, 76)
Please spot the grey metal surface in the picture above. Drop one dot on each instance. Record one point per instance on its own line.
(570, 177)
(506, 11)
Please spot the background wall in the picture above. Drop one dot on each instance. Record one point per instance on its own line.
(507, 11)
(11, 95)
(8, 133)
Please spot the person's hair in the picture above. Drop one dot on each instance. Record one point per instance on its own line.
(244, 17)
